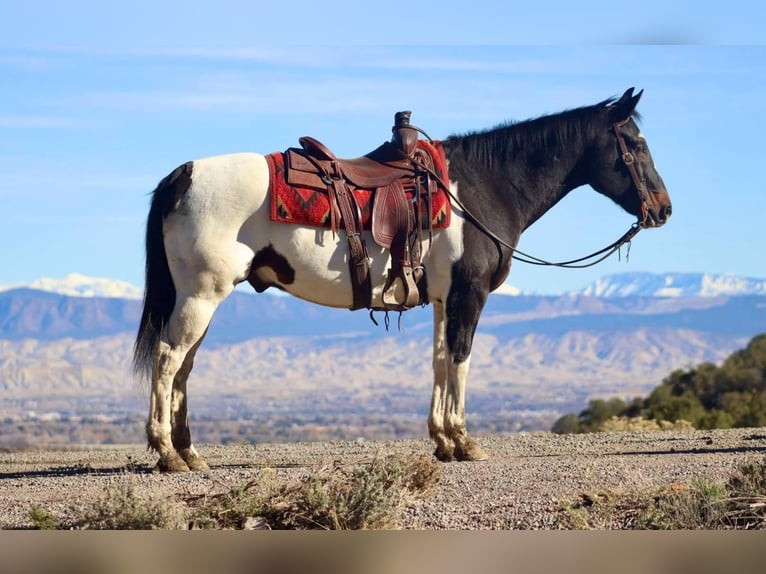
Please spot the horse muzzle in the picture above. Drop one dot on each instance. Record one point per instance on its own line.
(656, 217)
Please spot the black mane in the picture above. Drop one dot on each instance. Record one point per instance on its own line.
(524, 139)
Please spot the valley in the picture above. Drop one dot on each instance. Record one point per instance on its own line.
(276, 369)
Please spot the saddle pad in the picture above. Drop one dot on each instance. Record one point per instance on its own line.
(306, 206)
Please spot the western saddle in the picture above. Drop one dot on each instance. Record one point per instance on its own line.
(391, 171)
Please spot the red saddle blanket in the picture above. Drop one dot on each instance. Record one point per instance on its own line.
(307, 206)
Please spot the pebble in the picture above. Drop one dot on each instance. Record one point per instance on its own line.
(527, 480)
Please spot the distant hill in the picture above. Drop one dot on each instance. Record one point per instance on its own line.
(27, 313)
(79, 285)
(635, 284)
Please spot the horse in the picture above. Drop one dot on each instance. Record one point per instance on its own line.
(209, 229)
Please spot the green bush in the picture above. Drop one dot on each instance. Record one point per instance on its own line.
(707, 396)
(569, 423)
(42, 519)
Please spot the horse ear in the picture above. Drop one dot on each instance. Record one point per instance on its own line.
(624, 107)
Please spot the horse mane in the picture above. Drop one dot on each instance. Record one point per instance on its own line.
(528, 138)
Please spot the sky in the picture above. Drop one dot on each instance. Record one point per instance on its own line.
(98, 102)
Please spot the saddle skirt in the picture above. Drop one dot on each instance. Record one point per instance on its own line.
(304, 204)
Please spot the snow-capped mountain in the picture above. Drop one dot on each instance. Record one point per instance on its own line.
(508, 289)
(618, 285)
(673, 285)
(78, 285)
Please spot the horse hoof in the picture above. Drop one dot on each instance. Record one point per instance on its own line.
(171, 464)
(193, 460)
(197, 464)
(471, 451)
(444, 454)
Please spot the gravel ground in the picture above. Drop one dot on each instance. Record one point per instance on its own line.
(524, 484)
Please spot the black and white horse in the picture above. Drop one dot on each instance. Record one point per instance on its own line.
(209, 229)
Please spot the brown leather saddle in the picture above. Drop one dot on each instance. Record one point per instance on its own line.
(391, 171)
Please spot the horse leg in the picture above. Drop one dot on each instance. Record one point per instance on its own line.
(464, 306)
(445, 446)
(167, 361)
(180, 433)
(186, 327)
(454, 417)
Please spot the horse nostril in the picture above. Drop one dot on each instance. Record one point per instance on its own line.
(665, 212)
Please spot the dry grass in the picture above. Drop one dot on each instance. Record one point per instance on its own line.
(737, 504)
(337, 497)
(369, 495)
(121, 508)
(634, 424)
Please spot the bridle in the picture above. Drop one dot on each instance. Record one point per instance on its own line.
(630, 162)
(579, 263)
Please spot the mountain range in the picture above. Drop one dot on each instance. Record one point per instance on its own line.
(46, 316)
(674, 285)
(78, 285)
(615, 285)
(619, 336)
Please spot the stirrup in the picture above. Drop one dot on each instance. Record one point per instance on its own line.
(411, 291)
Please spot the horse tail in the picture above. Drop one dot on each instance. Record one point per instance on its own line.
(159, 289)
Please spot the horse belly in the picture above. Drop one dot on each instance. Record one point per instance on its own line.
(316, 264)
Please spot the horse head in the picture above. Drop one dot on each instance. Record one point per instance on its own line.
(623, 168)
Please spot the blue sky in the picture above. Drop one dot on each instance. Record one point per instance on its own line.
(99, 103)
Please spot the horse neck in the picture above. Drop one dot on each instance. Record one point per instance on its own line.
(538, 189)
(522, 179)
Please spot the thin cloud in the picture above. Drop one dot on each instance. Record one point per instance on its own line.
(35, 179)
(26, 61)
(496, 59)
(421, 58)
(36, 122)
(490, 59)
(255, 94)
(337, 94)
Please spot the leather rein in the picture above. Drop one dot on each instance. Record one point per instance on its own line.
(629, 161)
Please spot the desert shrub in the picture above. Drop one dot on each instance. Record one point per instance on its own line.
(567, 424)
(636, 424)
(739, 503)
(595, 415)
(747, 491)
(42, 519)
(748, 480)
(122, 508)
(699, 507)
(337, 497)
(370, 495)
(364, 497)
(226, 511)
(422, 474)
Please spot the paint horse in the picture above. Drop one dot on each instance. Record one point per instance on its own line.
(209, 229)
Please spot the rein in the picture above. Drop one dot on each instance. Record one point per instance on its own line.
(606, 252)
(519, 255)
